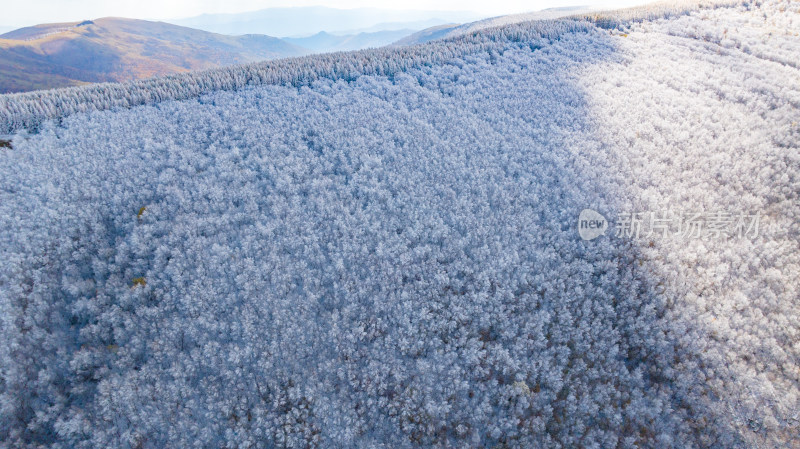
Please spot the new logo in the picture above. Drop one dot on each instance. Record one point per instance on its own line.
(591, 224)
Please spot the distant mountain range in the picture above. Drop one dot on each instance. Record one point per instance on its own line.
(114, 49)
(306, 21)
(326, 42)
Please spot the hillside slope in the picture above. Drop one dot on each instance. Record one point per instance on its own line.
(442, 31)
(380, 249)
(113, 49)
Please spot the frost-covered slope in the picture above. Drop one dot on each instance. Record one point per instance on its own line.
(393, 261)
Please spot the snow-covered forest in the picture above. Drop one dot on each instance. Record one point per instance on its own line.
(379, 249)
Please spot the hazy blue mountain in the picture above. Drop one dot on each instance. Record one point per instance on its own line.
(429, 34)
(327, 42)
(305, 21)
(114, 49)
(394, 26)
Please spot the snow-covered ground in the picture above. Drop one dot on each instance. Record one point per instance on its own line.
(394, 261)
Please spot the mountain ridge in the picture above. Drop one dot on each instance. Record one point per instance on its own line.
(326, 42)
(25, 110)
(113, 49)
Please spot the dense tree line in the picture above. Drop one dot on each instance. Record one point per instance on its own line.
(28, 110)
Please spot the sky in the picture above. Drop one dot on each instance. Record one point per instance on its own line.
(18, 13)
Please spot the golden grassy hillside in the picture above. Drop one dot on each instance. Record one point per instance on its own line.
(115, 49)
